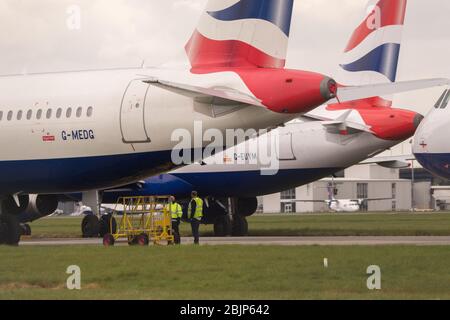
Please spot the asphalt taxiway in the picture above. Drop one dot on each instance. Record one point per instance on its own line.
(283, 241)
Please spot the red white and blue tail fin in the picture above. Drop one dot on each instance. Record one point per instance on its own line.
(372, 53)
(244, 33)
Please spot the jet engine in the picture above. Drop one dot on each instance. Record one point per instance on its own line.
(43, 205)
(39, 206)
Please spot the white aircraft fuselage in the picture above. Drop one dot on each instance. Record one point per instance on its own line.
(66, 132)
(344, 206)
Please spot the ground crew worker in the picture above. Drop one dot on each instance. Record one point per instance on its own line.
(195, 214)
(176, 212)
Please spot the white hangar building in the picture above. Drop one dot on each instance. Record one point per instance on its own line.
(368, 181)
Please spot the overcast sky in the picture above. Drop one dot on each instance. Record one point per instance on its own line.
(41, 36)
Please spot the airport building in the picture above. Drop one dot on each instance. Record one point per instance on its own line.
(368, 181)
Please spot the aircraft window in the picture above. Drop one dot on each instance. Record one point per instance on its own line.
(39, 114)
(19, 115)
(79, 112)
(49, 113)
(69, 113)
(90, 111)
(58, 113)
(10, 115)
(446, 100)
(1, 115)
(29, 114)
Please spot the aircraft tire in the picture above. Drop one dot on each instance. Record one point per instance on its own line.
(90, 226)
(3, 231)
(222, 226)
(11, 230)
(26, 229)
(105, 225)
(240, 226)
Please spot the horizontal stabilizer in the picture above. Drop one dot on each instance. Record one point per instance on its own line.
(390, 162)
(343, 126)
(229, 96)
(346, 94)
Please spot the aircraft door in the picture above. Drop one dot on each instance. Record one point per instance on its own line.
(132, 113)
(286, 150)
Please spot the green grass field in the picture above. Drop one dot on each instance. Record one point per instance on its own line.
(225, 272)
(401, 224)
(238, 272)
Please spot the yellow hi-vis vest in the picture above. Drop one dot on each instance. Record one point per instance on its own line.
(198, 214)
(176, 212)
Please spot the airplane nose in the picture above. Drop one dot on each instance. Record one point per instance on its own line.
(418, 120)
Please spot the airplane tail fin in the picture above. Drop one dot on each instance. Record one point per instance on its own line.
(244, 33)
(372, 53)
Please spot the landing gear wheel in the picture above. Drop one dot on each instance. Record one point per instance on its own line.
(26, 229)
(142, 240)
(106, 222)
(240, 226)
(3, 232)
(90, 226)
(10, 230)
(108, 240)
(222, 226)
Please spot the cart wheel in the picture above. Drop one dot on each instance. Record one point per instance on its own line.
(132, 241)
(143, 240)
(108, 240)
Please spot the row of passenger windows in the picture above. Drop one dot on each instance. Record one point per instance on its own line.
(48, 114)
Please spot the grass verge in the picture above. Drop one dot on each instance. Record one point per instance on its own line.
(225, 272)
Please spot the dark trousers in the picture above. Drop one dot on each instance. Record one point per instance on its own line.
(195, 226)
(176, 231)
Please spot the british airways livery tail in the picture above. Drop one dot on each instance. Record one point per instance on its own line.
(372, 54)
(242, 33)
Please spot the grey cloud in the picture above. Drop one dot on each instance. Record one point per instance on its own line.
(120, 33)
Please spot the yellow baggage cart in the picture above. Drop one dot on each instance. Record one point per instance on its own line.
(141, 220)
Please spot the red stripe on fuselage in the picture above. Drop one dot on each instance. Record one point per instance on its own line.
(391, 12)
(204, 52)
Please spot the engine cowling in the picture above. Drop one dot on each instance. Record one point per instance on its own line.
(39, 206)
(43, 205)
(9, 205)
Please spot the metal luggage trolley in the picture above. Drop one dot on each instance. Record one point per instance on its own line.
(142, 219)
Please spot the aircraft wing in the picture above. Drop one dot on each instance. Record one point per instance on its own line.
(299, 200)
(373, 199)
(391, 162)
(129, 187)
(346, 94)
(229, 96)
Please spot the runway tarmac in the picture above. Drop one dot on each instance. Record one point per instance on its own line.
(283, 241)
